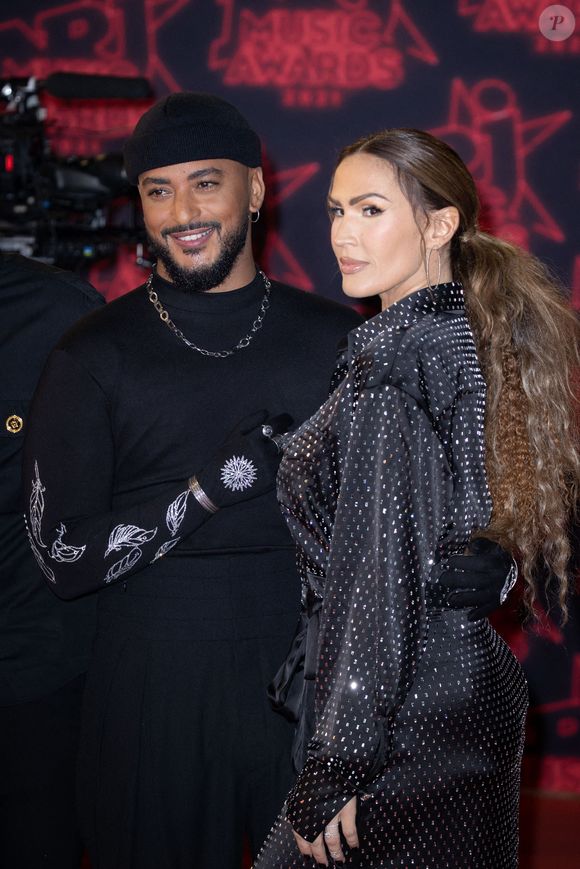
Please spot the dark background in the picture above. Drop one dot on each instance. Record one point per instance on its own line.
(311, 77)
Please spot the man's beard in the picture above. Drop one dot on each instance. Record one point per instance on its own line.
(202, 278)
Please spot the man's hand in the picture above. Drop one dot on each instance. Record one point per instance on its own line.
(245, 465)
(345, 821)
(481, 579)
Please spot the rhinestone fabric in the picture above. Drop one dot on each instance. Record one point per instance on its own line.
(418, 711)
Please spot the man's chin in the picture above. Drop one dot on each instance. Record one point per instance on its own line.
(196, 271)
(193, 263)
(200, 277)
(184, 255)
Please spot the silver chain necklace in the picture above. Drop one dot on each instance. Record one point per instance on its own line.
(218, 354)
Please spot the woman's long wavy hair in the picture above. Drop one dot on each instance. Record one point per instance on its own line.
(527, 339)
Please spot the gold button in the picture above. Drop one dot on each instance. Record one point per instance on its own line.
(14, 424)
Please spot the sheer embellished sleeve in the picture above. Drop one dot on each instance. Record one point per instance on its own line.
(412, 489)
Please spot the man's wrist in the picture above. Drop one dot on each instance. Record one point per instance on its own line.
(201, 496)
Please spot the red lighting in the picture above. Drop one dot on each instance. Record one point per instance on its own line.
(9, 162)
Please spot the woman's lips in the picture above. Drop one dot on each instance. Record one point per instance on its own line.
(351, 266)
(192, 240)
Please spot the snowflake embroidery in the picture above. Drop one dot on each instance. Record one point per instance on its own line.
(238, 473)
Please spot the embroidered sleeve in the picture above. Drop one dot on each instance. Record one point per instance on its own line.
(79, 541)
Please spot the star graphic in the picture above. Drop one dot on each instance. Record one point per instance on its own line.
(487, 127)
(278, 259)
(156, 13)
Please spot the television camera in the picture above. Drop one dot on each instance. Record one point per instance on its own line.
(62, 210)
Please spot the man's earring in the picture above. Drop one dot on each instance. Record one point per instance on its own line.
(254, 216)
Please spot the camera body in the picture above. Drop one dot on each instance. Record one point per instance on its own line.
(64, 211)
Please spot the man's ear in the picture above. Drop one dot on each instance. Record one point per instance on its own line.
(257, 188)
(442, 226)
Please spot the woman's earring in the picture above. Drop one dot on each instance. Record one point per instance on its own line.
(254, 216)
(428, 265)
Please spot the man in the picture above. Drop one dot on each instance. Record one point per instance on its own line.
(150, 477)
(44, 642)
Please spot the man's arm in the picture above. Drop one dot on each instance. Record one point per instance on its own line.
(80, 542)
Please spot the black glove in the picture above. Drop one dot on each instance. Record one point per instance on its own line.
(246, 464)
(478, 578)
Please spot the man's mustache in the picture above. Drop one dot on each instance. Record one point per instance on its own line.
(191, 227)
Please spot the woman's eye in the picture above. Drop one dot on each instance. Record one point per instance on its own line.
(371, 210)
(334, 211)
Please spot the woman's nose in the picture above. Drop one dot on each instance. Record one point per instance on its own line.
(343, 232)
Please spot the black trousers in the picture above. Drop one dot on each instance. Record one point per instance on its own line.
(181, 756)
(38, 755)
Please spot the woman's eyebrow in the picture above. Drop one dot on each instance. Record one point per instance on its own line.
(358, 199)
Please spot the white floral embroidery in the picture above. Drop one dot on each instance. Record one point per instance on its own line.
(165, 548)
(37, 508)
(126, 537)
(176, 512)
(60, 551)
(238, 473)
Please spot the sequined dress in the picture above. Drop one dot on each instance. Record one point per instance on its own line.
(418, 711)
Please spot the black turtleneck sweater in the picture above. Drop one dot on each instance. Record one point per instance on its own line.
(125, 413)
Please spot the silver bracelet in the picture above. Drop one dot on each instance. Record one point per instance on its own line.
(510, 581)
(200, 496)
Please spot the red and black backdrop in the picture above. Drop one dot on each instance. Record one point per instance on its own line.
(495, 78)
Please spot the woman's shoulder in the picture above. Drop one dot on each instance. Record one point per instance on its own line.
(444, 335)
(434, 357)
(446, 363)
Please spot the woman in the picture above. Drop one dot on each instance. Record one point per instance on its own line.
(419, 714)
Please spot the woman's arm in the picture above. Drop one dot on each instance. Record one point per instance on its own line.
(397, 505)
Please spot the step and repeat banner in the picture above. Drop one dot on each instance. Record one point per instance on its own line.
(497, 79)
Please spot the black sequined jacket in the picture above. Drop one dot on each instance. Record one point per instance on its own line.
(383, 482)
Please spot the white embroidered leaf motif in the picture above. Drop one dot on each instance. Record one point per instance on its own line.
(48, 572)
(176, 512)
(128, 535)
(37, 507)
(122, 566)
(165, 548)
(60, 551)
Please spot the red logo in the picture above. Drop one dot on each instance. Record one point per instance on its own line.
(90, 36)
(525, 17)
(314, 56)
(487, 127)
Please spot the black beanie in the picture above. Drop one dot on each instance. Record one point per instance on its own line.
(190, 126)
